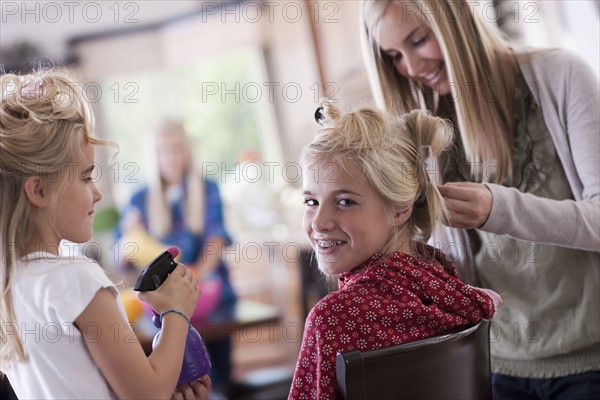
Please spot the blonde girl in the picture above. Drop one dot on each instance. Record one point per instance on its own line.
(370, 207)
(64, 331)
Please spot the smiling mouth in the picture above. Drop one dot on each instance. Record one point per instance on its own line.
(434, 74)
(325, 244)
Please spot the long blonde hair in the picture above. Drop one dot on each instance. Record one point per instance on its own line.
(477, 59)
(160, 220)
(43, 119)
(387, 149)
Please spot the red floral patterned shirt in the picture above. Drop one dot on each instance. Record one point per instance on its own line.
(383, 302)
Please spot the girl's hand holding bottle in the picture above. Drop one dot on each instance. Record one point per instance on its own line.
(179, 292)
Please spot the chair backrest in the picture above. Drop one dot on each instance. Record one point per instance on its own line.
(452, 366)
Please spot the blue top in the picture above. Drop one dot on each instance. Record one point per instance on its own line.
(190, 244)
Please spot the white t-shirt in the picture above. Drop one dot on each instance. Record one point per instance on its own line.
(49, 293)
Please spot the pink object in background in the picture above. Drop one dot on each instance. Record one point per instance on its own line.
(210, 295)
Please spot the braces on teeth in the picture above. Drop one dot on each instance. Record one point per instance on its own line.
(329, 243)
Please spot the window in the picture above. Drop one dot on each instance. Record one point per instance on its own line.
(223, 103)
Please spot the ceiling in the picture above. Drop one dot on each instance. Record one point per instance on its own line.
(49, 26)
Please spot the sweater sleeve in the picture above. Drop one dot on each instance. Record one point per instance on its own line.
(571, 107)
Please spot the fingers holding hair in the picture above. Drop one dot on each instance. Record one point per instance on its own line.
(469, 204)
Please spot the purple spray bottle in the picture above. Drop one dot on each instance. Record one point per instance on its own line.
(196, 362)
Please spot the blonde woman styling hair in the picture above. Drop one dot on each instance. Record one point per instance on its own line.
(370, 205)
(452, 57)
(521, 178)
(51, 300)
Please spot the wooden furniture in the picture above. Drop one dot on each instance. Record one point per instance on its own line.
(452, 366)
(313, 283)
(239, 319)
(6, 391)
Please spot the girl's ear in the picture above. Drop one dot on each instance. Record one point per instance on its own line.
(36, 190)
(401, 216)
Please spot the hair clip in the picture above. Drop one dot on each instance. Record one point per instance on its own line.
(428, 162)
(319, 116)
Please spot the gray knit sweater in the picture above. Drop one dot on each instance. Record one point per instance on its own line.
(567, 91)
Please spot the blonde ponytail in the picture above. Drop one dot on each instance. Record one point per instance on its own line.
(427, 132)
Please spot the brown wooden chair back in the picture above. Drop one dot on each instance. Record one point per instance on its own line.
(451, 366)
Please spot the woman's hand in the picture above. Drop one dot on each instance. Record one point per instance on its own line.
(469, 204)
(179, 291)
(195, 390)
